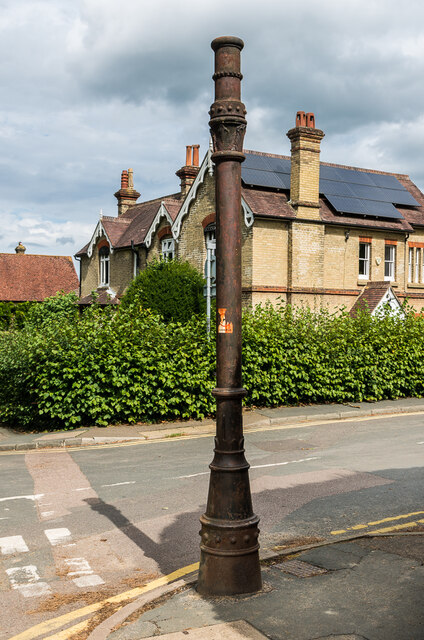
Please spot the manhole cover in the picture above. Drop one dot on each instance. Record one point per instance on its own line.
(301, 569)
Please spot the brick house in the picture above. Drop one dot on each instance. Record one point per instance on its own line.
(313, 232)
(32, 278)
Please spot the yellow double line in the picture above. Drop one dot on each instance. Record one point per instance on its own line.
(403, 516)
(56, 623)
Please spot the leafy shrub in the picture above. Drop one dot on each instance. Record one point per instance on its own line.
(62, 307)
(14, 314)
(171, 288)
(130, 365)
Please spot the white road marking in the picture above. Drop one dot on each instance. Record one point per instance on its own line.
(7, 518)
(83, 489)
(79, 567)
(118, 484)
(84, 574)
(57, 536)
(46, 514)
(420, 442)
(88, 581)
(258, 466)
(280, 464)
(13, 544)
(27, 581)
(36, 497)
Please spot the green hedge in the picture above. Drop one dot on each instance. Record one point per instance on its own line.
(14, 314)
(130, 365)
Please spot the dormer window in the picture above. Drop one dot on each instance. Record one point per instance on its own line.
(167, 248)
(104, 258)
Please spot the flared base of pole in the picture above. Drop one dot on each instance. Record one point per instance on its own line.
(229, 576)
(229, 558)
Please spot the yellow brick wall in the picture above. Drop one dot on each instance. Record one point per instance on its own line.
(121, 267)
(154, 251)
(306, 249)
(269, 253)
(191, 244)
(264, 297)
(121, 270)
(89, 273)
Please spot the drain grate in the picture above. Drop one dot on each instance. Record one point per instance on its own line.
(301, 569)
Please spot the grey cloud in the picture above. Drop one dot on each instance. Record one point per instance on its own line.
(65, 240)
(90, 89)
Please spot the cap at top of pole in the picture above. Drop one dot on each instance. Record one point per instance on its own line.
(227, 41)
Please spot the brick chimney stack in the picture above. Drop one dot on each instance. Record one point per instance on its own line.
(20, 248)
(305, 159)
(306, 233)
(188, 173)
(127, 196)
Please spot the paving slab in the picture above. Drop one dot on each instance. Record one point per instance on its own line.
(238, 630)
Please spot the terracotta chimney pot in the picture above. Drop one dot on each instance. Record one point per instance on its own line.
(188, 156)
(300, 119)
(310, 120)
(124, 179)
(196, 148)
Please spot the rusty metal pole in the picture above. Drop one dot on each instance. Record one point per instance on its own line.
(229, 560)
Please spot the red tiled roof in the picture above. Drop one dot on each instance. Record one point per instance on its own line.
(133, 225)
(370, 297)
(103, 298)
(26, 277)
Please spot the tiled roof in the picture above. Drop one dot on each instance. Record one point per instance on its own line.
(133, 225)
(26, 277)
(268, 203)
(103, 298)
(142, 216)
(370, 297)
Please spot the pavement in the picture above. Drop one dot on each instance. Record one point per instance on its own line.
(11, 439)
(368, 588)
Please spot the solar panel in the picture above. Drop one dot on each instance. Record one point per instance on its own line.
(348, 190)
(401, 197)
(266, 163)
(388, 182)
(265, 178)
(332, 187)
(253, 161)
(364, 207)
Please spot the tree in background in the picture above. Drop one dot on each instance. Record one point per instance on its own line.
(170, 288)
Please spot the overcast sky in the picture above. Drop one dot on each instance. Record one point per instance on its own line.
(90, 87)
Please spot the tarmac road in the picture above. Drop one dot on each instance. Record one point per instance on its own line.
(75, 525)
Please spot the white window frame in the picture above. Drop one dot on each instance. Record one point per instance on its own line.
(389, 262)
(168, 248)
(365, 261)
(410, 263)
(210, 237)
(417, 264)
(104, 259)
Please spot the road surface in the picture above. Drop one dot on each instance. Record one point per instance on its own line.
(76, 526)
